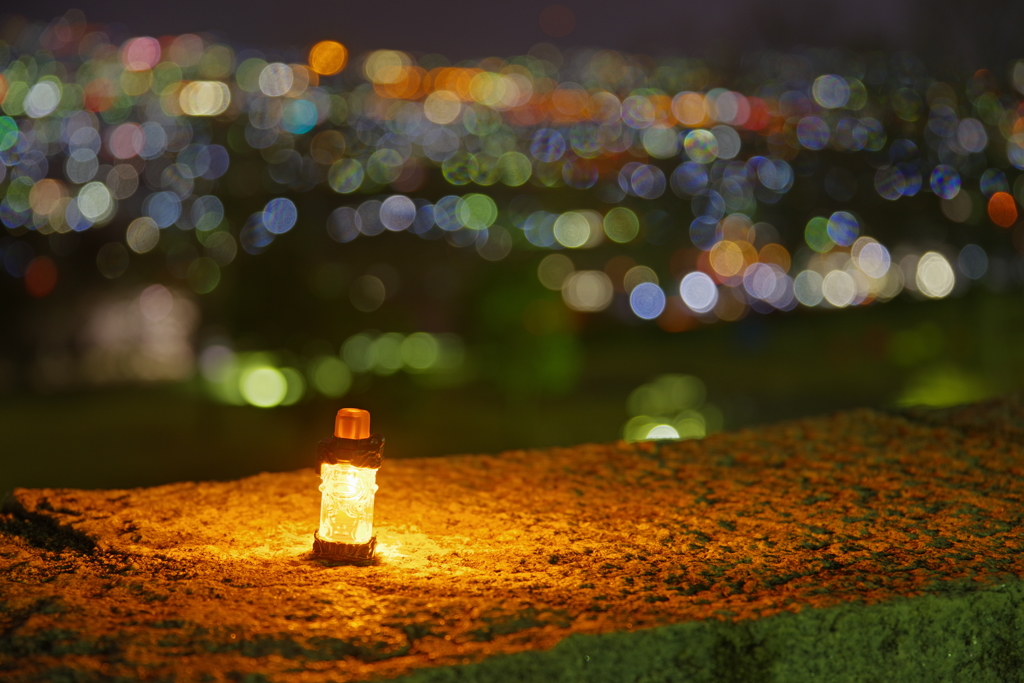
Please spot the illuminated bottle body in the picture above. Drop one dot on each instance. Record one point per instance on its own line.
(348, 472)
(346, 507)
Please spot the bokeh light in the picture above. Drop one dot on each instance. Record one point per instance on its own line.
(330, 376)
(328, 57)
(839, 288)
(204, 98)
(621, 225)
(553, 271)
(817, 236)
(280, 215)
(842, 228)
(276, 79)
(572, 230)
(1002, 209)
(750, 187)
(935, 277)
(263, 386)
(670, 407)
(367, 293)
(647, 300)
(945, 181)
(701, 146)
(699, 292)
(587, 291)
(973, 261)
(143, 235)
(871, 257)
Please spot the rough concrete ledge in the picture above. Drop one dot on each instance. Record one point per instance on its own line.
(856, 547)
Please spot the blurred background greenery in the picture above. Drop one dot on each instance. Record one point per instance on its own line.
(756, 370)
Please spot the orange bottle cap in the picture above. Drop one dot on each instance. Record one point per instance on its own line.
(352, 423)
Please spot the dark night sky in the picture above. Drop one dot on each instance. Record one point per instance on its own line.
(982, 33)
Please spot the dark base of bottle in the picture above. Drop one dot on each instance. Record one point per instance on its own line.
(346, 553)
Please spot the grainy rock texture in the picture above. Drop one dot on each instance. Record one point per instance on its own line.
(857, 547)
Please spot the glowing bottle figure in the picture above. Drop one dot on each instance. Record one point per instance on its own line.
(349, 461)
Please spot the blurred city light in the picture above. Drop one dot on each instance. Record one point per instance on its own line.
(660, 192)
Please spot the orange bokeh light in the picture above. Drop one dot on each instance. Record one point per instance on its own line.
(1018, 127)
(408, 84)
(328, 57)
(570, 101)
(41, 276)
(1002, 209)
(688, 108)
(759, 114)
(98, 96)
(663, 115)
(455, 79)
(727, 258)
(776, 254)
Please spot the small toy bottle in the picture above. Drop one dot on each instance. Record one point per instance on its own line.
(348, 464)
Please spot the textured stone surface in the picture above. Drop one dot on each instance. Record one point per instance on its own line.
(852, 547)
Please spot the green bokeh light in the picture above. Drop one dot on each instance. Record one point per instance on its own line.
(331, 376)
(816, 235)
(263, 386)
(621, 225)
(477, 211)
